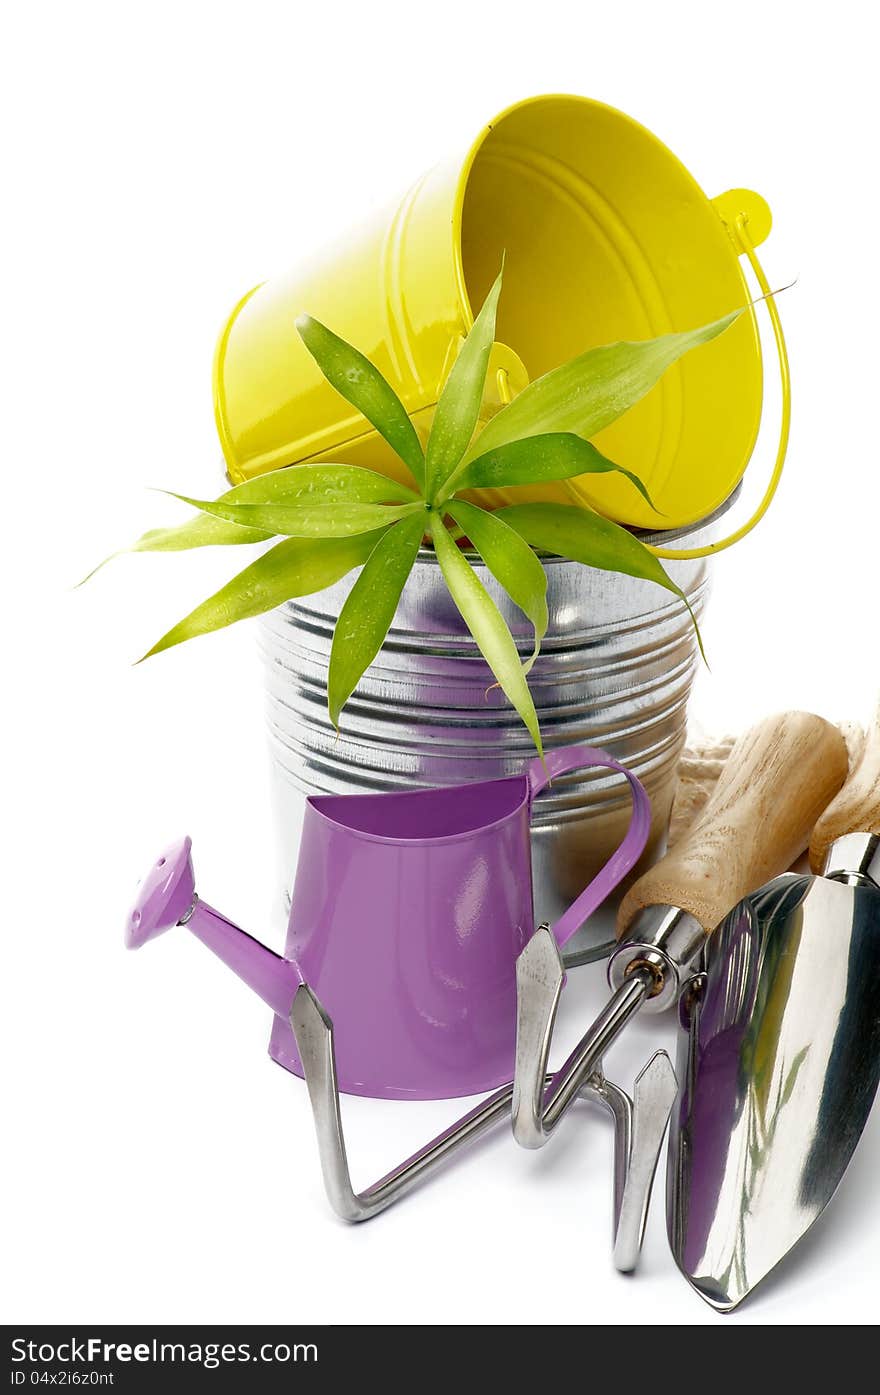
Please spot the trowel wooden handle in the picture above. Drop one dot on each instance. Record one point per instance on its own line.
(857, 807)
(777, 780)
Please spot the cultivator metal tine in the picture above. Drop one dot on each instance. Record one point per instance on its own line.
(537, 1108)
(639, 1124)
(314, 1038)
(638, 1131)
(653, 1097)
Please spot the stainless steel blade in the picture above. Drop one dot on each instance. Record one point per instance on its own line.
(781, 1070)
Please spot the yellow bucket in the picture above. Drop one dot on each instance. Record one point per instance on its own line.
(606, 236)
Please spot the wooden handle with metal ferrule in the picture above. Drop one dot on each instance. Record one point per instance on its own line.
(857, 807)
(776, 782)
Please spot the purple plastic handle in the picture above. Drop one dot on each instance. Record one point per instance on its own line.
(624, 857)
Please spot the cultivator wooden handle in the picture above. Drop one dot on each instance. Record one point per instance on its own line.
(777, 780)
(856, 808)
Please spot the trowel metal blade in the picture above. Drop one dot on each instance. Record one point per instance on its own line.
(781, 1067)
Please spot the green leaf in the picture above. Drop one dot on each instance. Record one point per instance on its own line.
(294, 567)
(590, 392)
(361, 384)
(314, 483)
(369, 609)
(511, 561)
(320, 484)
(556, 456)
(486, 624)
(201, 531)
(458, 409)
(583, 536)
(340, 520)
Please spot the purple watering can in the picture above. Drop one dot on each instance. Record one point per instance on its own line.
(409, 912)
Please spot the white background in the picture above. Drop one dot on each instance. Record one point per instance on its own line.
(158, 161)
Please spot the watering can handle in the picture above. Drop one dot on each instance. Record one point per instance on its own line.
(624, 857)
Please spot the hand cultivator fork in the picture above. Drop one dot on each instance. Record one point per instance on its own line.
(639, 1126)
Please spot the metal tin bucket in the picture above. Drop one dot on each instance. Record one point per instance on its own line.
(615, 670)
(606, 236)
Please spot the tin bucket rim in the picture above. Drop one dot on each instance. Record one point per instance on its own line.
(660, 537)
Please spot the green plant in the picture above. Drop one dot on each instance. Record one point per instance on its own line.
(334, 518)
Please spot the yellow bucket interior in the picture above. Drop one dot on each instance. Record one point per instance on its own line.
(606, 237)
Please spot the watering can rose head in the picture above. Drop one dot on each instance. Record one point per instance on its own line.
(332, 518)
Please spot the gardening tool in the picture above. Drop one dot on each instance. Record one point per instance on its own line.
(606, 237)
(777, 780)
(639, 1127)
(408, 913)
(783, 1055)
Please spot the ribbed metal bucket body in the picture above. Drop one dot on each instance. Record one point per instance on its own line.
(615, 670)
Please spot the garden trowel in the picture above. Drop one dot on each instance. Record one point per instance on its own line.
(782, 1054)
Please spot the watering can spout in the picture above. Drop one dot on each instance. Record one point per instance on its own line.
(167, 897)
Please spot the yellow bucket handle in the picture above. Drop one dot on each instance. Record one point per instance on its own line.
(687, 554)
